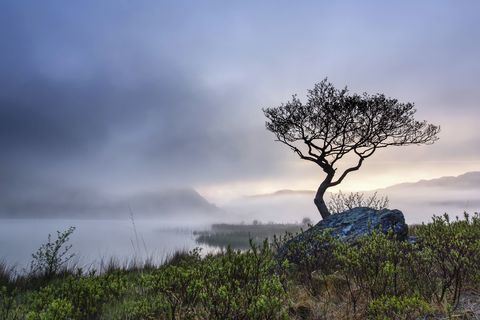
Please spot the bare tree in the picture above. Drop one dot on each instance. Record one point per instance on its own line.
(334, 123)
(341, 202)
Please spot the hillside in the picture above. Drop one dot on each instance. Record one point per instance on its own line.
(418, 200)
(81, 203)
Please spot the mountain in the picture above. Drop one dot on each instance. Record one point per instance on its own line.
(84, 203)
(283, 192)
(466, 181)
(173, 201)
(419, 201)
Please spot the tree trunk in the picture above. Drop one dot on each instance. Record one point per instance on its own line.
(319, 202)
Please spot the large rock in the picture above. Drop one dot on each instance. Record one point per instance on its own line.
(348, 226)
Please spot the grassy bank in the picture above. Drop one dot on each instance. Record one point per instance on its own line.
(378, 278)
(239, 236)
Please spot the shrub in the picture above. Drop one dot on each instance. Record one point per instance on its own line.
(304, 255)
(229, 285)
(340, 202)
(242, 285)
(398, 308)
(55, 309)
(374, 267)
(9, 308)
(54, 255)
(449, 256)
(83, 296)
(7, 274)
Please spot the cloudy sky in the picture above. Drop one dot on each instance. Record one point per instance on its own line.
(131, 96)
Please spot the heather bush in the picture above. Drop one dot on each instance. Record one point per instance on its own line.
(340, 202)
(53, 255)
(377, 277)
(398, 308)
(448, 257)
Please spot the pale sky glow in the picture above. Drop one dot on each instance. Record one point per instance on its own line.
(138, 96)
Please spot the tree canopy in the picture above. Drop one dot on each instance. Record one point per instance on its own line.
(333, 123)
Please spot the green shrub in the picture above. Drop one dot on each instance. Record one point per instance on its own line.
(179, 289)
(85, 295)
(398, 308)
(449, 255)
(377, 277)
(54, 255)
(229, 285)
(304, 256)
(242, 285)
(54, 310)
(9, 308)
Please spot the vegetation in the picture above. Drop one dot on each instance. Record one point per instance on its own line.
(340, 202)
(334, 124)
(377, 278)
(52, 256)
(239, 236)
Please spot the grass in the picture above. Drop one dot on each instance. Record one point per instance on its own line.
(378, 278)
(238, 236)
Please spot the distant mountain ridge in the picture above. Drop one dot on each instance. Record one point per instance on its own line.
(282, 192)
(419, 201)
(84, 203)
(467, 180)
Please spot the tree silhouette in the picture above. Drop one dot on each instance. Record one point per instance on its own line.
(334, 123)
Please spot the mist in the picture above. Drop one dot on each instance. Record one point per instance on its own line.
(117, 112)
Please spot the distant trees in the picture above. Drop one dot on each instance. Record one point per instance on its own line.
(306, 221)
(334, 123)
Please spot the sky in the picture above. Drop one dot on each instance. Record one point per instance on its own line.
(124, 97)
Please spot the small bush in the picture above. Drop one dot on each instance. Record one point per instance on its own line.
(449, 256)
(398, 308)
(378, 277)
(307, 254)
(54, 255)
(340, 202)
(7, 274)
(83, 296)
(372, 268)
(230, 285)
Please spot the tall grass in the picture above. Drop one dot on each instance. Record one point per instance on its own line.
(377, 278)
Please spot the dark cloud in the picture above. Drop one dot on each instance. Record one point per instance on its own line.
(124, 96)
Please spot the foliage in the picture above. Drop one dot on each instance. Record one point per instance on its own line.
(231, 285)
(379, 270)
(318, 278)
(81, 296)
(333, 123)
(8, 304)
(398, 308)
(302, 257)
(54, 255)
(6, 274)
(340, 202)
(450, 252)
(372, 268)
(238, 236)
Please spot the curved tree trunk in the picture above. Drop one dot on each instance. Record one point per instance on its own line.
(319, 202)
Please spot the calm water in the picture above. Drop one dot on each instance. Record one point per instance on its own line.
(94, 240)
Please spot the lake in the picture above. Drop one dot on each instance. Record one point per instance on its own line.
(97, 240)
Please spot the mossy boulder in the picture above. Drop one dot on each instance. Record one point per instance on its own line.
(348, 226)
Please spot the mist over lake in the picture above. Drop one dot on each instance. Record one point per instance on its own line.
(95, 240)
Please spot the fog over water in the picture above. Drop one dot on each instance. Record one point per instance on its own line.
(96, 240)
(156, 106)
(145, 235)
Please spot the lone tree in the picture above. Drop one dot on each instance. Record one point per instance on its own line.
(334, 123)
